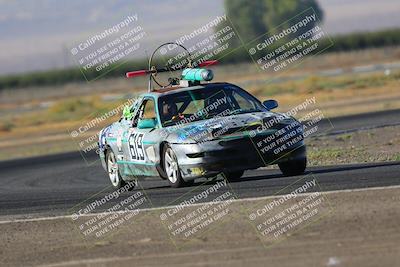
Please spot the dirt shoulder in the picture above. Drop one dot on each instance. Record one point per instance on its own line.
(358, 229)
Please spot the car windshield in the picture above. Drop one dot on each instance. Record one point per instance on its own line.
(206, 103)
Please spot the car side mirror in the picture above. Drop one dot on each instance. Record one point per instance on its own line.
(270, 104)
(147, 124)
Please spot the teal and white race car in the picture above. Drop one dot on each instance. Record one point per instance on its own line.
(192, 129)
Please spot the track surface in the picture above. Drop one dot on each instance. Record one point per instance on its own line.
(53, 185)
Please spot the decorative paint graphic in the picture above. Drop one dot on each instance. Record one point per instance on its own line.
(102, 136)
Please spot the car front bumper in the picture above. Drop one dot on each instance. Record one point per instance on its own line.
(213, 157)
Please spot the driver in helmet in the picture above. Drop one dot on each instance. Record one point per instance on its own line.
(170, 112)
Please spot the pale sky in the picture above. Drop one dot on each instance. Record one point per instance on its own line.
(37, 34)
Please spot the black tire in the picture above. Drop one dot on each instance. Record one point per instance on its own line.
(115, 178)
(174, 176)
(233, 176)
(294, 167)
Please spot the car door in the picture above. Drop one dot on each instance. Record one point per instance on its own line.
(121, 129)
(135, 142)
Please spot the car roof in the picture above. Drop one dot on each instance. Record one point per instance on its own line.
(176, 89)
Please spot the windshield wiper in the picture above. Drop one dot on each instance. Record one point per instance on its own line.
(242, 111)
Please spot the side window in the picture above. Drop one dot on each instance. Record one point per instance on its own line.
(149, 111)
(146, 111)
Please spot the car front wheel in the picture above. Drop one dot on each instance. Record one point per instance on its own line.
(171, 168)
(293, 167)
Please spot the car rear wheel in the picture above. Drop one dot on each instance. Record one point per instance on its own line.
(171, 168)
(113, 171)
(294, 167)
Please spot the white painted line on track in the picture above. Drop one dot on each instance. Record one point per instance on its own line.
(199, 204)
(95, 261)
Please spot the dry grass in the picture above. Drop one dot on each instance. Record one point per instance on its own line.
(375, 145)
(48, 114)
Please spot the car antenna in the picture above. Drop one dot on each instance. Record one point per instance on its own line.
(192, 73)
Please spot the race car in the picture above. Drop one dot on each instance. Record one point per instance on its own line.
(194, 128)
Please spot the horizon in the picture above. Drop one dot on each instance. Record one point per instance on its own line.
(50, 31)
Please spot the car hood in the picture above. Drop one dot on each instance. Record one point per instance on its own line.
(234, 125)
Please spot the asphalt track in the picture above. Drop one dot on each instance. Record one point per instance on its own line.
(59, 184)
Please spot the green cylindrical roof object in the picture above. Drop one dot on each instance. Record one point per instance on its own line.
(190, 74)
